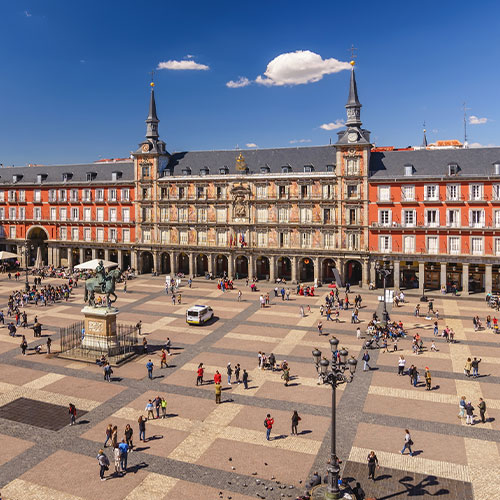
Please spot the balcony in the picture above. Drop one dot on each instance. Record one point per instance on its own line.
(387, 200)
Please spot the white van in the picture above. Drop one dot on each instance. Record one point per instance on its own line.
(198, 315)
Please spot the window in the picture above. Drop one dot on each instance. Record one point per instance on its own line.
(327, 191)
(100, 214)
(221, 238)
(87, 236)
(477, 245)
(408, 170)
(453, 218)
(221, 192)
(145, 193)
(408, 244)
(261, 192)
(432, 218)
(262, 239)
(52, 195)
(453, 192)
(305, 240)
(2, 196)
(112, 195)
(454, 245)
(37, 196)
(283, 192)
(73, 195)
(262, 213)
(126, 235)
(385, 243)
(408, 193)
(181, 193)
(12, 196)
(22, 195)
(352, 241)
(221, 214)
(182, 214)
(125, 194)
(329, 240)
(352, 166)
(497, 218)
(283, 214)
(202, 215)
(2, 213)
(112, 234)
(63, 195)
(305, 215)
(497, 246)
(476, 192)
(431, 192)
(327, 216)
(183, 237)
(352, 191)
(99, 194)
(164, 214)
(452, 169)
(12, 232)
(284, 239)
(384, 193)
(87, 214)
(87, 195)
(63, 233)
(165, 236)
(37, 213)
(63, 214)
(125, 214)
(409, 218)
(433, 244)
(22, 213)
(75, 215)
(496, 192)
(164, 191)
(112, 215)
(305, 190)
(74, 234)
(53, 214)
(146, 236)
(200, 192)
(384, 217)
(145, 171)
(12, 213)
(147, 214)
(476, 218)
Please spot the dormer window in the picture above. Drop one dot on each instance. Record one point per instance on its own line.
(186, 171)
(496, 167)
(308, 168)
(67, 176)
(91, 176)
(40, 178)
(286, 169)
(16, 178)
(330, 168)
(265, 169)
(224, 170)
(408, 170)
(453, 169)
(204, 171)
(116, 175)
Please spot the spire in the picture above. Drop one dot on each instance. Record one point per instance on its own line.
(152, 120)
(424, 141)
(353, 105)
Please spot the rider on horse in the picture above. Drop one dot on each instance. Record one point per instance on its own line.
(100, 273)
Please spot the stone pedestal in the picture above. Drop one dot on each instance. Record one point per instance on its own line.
(100, 329)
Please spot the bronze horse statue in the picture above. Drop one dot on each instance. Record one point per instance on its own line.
(106, 287)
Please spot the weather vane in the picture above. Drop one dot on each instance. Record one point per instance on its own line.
(353, 51)
(152, 78)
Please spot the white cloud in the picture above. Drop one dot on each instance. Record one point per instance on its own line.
(242, 81)
(475, 120)
(479, 145)
(181, 65)
(299, 67)
(251, 145)
(27, 14)
(332, 125)
(188, 56)
(299, 141)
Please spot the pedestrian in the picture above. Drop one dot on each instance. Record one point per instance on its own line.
(163, 359)
(461, 407)
(320, 328)
(295, 422)
(401, 365)
(103, 461)
(199, 374)
(475, 367)
(107, 372)
(301, 311)
(49, 343)
(433, 346)
(139, 327)
(72, 414)
(129, 433)
(428, 379)
(114, 437)
(24, 346)
(217, 377)
(157, 403)
(168, 345)
(366, 358)
(239, 295)
(109, 431)
(468, 367)
(149, 366)
(482, 410)
(408, 443)
(163, 404)
(123, 447)
(218, 392)
(173, 299)
(286, 375)
(358, 332)
(372, 465)
(469, 411)
(149, 408)
(268, 424)
(125, 286)
(116, 456)
(142, 428)
(245, 378)
(179, 298)
(229, 373)
(237, 370)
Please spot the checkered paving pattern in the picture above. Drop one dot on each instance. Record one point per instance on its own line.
(222, 448)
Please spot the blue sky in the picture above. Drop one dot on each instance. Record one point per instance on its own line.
(74, 75)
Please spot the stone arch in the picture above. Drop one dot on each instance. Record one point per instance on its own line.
(306, 269)
(263, 268)
(353, 272)
(147, 262)
(284, 268)
(165, 263)
(221, 265)
(201, 264)
(183, 263)
(328, 268)
(38, 251)
(241, 266)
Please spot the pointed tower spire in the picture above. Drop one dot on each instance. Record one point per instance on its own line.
(152, 120)
(424, 141)
(353, 105)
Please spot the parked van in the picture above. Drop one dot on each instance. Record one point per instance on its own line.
(198, 315)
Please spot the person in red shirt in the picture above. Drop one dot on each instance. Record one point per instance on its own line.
(217, 377)
(268, 423)
(199, 378)
(163, 359)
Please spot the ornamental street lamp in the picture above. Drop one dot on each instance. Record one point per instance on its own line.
(333, 373)
(27, 248)
(384, 271)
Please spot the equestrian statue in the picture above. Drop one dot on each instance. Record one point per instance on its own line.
(103, 283)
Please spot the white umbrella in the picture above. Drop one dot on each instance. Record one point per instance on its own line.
(92, 264)
(8, 255)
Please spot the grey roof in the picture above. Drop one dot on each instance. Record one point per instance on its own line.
(317, 156)
(353, 100)
(54, 173)
(472, 162)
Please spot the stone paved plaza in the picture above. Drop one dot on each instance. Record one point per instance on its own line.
(204, 451)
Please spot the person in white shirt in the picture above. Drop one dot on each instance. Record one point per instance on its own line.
(401, 365)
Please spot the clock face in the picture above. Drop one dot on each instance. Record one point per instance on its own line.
(352, 137)
(145, 148)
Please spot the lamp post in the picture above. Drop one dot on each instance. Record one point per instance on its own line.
(384, 271)
(333, 373)
(27, 248)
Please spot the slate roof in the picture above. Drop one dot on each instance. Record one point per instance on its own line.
(473, 162)
(54, 173)
(317, 156)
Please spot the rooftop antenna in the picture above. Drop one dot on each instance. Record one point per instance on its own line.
(465, 108)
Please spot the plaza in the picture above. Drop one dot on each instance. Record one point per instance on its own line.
(209, 451)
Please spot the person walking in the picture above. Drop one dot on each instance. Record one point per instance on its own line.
(295, 422)
(24, 346)
(482, 410)
(49, 344)
(401, 365)
(163, 405)
(372, 465)
(217, 377)
(320, 328)
(116, 456)
(268, 424)
(109, 431)
(428, 379)
(475, 367)
(103, 462)
(239, 295)
(218, 393)
(168, 345)
(408, 443)
(286, 375)
(469, 412)
(142, 428)
(123, 447)
(157, 404)
(199, 374)
(461, 407)
(72, 414)
(163, 359)
(229, 373)
(467, 367)
(366, 358)
(114, 437)
(149, 366)
(245, 378)
(129, 433)
(149, 409)
(107, 372)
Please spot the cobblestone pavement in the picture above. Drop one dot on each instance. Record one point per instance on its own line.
(209, 451)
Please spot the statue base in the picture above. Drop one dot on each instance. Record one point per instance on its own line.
(320, 492)
(100, 329)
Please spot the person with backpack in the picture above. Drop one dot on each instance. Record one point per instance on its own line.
(408, 443)
(103, 461)
(268, 424)
(107, 372)
(72, 414)
(295, 422)
(366, 358)
(469, 411)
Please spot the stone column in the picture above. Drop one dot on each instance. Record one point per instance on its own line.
(191, 264)
(366, 272)
(134, 259)
(156, 257)
(230, 270)
(465, 279)
(70, 258)
(373, 273)
(251, 267)
(317, 273)
(294, 269)
(210, 259)
(106, 254)
(57, 260)
(173, 262)
(94, 253)
(421, 277)
(272, 269)
(120, 259)
(488, 278)
(82, 255)
(443, 275)
(397, 276)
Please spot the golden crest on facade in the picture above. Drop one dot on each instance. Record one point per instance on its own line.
(241, 163)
